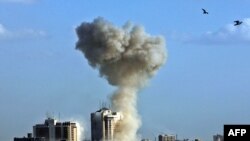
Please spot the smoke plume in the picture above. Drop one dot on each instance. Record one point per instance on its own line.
(127, 57)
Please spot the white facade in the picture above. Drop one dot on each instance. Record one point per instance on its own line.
(104, 124)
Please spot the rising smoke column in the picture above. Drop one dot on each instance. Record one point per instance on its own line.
(127, 57)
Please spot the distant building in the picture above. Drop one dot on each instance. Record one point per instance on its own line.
(104, 124)
(29, 138)
(165, 137)
(218, 137)
(182, 140)
(52, 130)
(145, 140)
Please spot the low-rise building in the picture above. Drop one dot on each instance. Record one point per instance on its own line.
(166, 137)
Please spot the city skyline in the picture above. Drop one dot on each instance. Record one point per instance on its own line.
(203, 85)
(104, 127)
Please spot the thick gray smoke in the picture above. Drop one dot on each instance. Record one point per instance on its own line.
(127, 57)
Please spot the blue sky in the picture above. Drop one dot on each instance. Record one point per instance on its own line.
(203, 85)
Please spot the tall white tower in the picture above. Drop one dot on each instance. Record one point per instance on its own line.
(104, 124)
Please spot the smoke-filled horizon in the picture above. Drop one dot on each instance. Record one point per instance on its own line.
(127, 57)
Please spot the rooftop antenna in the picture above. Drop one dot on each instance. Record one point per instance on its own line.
(104, 105)
(109, 106)
(100, 105)
(53, 115)
(59, 116)
(47, 114)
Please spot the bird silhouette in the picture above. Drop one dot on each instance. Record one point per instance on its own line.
(236, 23)
(204, 11)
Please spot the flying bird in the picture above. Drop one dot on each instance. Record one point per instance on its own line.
(237, 23)
(204, 11)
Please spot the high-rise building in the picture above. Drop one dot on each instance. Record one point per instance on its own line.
(52, 130)
(104, 124)
(218, 137)
(165, 137)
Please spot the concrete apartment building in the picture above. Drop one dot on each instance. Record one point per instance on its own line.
(52, 130)
(104, 124)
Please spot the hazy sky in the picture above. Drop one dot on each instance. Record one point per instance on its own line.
(203, 85)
